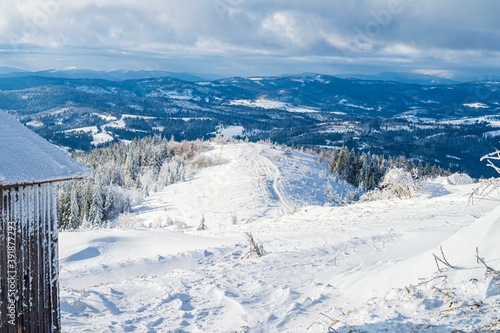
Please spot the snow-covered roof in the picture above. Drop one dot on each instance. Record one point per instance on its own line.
(26, 158)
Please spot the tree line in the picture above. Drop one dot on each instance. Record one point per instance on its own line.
(365, 171)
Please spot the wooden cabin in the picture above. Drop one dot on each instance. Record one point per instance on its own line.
(30, 168)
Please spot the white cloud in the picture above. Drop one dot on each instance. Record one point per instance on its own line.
(284, 27)
(252, 32)
(401, 50)
(447, 74)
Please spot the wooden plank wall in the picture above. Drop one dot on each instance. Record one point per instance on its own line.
(30, 211)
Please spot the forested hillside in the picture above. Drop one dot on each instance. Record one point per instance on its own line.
(125, 173)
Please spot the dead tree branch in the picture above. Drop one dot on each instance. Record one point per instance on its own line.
(443, 260)
(255, 249)
(481, 260)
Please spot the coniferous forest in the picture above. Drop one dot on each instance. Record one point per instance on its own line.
(123, 174)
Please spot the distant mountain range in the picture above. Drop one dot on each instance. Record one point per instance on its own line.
(10, 70)
(402, 77)
(122, 74)
(113, 75)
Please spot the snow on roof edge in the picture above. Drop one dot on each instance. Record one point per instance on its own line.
(4, 185)
(27, 158)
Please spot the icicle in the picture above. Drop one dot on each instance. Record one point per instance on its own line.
(43, 212)
(31, 208)
(22, 219)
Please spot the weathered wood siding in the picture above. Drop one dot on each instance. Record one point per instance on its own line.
(29, 235)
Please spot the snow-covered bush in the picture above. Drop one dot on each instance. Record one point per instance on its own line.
(488, 189)
(234, 219)
(204, 161)
(127, 221)
(399, 183)
(168, 221)
(396, 183)
(220, 140)
(460, 179)
(180, 225)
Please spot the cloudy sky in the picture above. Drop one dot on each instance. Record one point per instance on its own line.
(253, 37)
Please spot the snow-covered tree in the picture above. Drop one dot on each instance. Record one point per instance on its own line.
(399, 183)
(234, 219)
(202, 225)
(63, 206)
(74, 210)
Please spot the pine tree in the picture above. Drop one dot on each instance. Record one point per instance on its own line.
(351, 168)
(63, 206)
(109, 199)
(74, 210)
(97, 206)
(334, 162)
(363, 173)
(340, 166)
(202, 225)
(85, 200)
(371, 183)
(126, 204)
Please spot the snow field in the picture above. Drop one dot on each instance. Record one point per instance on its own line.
(466, 296)
(272, 104)
(230, 131)
(322, 265)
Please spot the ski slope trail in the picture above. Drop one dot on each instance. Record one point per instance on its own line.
(270, 173)
(252, 183)
(322, 261)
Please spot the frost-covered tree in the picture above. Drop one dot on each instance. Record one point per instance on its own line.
(488, 189)
(494, 156)
(85, 200)
(126, 205)
(234, 219)
(202, 225)
(74, 210)
(64, 206)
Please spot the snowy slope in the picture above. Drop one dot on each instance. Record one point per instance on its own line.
(464, 296)
(322, 262)
(250, 184)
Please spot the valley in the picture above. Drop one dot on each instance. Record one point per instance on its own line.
(451, 125)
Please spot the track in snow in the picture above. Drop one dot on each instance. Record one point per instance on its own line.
(269, 172)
